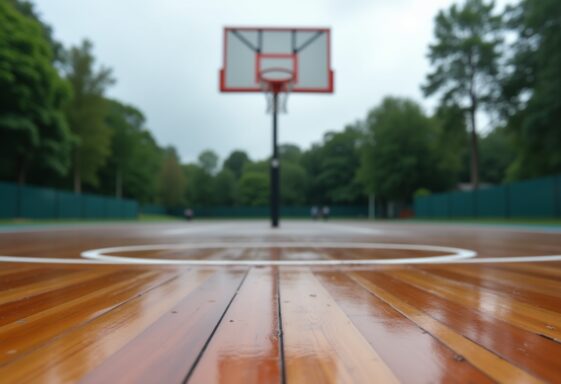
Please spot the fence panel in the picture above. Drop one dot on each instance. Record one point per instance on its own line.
(8, 200)
(558, 195)
(93, 207)
(493, 202)
(70, 205)
(462, 204)
(38, 203)
(529, 198)
(422, 206)
(131, 209)
(441, 205)
(152, 209)
(533, 198)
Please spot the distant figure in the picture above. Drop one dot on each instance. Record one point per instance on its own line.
(314, 212)
(325, 213)
(188, 214)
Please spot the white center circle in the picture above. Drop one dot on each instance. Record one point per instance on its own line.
(111, 255)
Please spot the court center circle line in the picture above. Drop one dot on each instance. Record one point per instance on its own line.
(451, 254)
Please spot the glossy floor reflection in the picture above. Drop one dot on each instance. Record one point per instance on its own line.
(425, 323)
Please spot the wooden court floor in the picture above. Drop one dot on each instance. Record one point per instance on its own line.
(64, 318)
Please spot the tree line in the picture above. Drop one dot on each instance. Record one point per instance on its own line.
(57, 126)
(502, 67)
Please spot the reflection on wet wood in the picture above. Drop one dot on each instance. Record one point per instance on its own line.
(246, 346)
(525, 316)
(321, 345)
(413, 324)
(398, 339)
(491, 364)
(76, 351)
(167, 350)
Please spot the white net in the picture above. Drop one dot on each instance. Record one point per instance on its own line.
(282, 95)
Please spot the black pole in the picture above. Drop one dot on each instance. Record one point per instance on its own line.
(275, 169)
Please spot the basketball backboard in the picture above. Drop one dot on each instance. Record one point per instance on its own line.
(255, 55)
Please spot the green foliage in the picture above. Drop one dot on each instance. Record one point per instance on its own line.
(27, 9)
(453, 142)
(253, 189)
(465, 54)
(532, 89)
(34, 131)
(497, 153)
(171, 181)
(465, 58)
(293, 176)
(399, 153)
(293, 180)
(332, 168)
(139, 182)
(199, 190)
(262, 166)
(48, 122)
(208, 160)
(236, 162)
(86, 114)
(224, 188)
(290, 152)
(135, 157)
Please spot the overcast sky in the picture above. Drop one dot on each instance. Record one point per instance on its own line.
(166, 55)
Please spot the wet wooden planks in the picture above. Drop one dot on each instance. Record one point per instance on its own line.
(264, 325)
(411, 324)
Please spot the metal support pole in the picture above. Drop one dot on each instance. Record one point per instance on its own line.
(275, 169)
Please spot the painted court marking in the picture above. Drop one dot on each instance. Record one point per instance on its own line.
(453, 255)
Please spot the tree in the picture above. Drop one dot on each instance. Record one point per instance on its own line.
(125, 122)
(27, 9)
(294, 182)
(400, 153)
(135, 157)
(253, 189)
(199, 190)
(208, 160)
(32, 98)
(497, 154)
(224, 188)
(86, 114)
(236, 162)
(332, 167)
(532, 88)
(139, 182)
(465, 56)
(171, 180)
(290, 153)
(453, 143)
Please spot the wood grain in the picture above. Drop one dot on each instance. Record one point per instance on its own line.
(321, 343)
(246, 347)
(395, 323)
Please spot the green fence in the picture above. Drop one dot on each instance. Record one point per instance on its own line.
(152, 209)
(529, 198)
(263, 212)
(47, 203)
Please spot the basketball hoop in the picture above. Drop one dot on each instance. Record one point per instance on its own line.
(276, 84)
(276, 62)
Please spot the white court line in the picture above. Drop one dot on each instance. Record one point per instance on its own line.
(456, 256)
